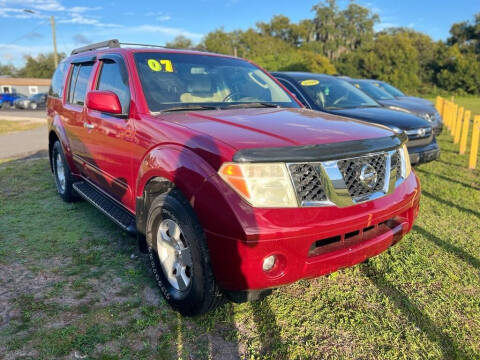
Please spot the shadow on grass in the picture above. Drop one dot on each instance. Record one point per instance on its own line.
(460, 253)
(451, 204)
(36, 155)
(450, 180)
(267, 329)
(450, 163)
(448, 347)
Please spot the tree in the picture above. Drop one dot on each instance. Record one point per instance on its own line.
(457, 71)
(392, 58)
(41, 66)
(339, 32)
(466, 35)
(426, 49)
(180, 42)
(8, 70)
(221, 42)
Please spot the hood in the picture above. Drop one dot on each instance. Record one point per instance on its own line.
(275, 127)
(416, 100)
(409, 105)
(383, 116)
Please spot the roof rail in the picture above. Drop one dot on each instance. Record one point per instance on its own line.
(148, 45)
(114, 43)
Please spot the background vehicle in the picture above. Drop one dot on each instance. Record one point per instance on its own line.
(34, 102)
(336, 96)
(427, 112)
(7, 99)
(398, 94)
(230, 186)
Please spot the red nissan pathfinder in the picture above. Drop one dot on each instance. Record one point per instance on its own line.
(229, 184)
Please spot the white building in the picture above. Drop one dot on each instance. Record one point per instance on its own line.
(24, 86)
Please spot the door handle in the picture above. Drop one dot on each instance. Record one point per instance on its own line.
(88, 125)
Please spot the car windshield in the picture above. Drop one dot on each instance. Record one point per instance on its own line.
(372, 90)
(36, 97)
(330, 94)
(190, 81)
(392, 90)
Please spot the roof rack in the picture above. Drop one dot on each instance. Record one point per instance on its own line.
(114, 43)
(147, 45)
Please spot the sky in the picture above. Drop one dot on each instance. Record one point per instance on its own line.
(156, 22)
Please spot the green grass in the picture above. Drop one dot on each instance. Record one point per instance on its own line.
(7, 126)
(69, 285)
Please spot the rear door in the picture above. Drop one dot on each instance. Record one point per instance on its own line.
(74, 110)
(109, 137)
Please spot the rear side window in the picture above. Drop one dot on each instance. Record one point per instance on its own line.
(58, 81)
(78, 83)
(112, 78)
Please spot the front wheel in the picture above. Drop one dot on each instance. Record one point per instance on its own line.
(179, 256)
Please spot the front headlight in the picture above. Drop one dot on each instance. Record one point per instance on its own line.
(406, 166)
(427, 116)
(262, 185)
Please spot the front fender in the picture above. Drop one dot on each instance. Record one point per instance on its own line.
(182, 167)
(179, 166)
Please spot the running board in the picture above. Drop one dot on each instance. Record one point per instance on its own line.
(107, 206)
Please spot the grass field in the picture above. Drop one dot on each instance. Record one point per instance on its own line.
(7, 126)
(72, 285)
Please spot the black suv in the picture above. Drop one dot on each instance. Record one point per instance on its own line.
(337, 96)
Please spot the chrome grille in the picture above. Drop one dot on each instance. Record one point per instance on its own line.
(307, 183)
(419, 133)
(345, 182)
(396, 164)
(351, 170)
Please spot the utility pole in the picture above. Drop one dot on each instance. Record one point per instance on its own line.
(55, 55)
(52, 22)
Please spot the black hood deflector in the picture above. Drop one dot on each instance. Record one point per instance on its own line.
(320, 152)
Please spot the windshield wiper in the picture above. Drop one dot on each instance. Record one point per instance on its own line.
(251, 105)
(186, 108)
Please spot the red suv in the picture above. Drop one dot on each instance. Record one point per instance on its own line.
(229, 184)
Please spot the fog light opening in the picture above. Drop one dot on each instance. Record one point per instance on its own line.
(269, 263)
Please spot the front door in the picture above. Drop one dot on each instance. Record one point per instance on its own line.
(109, 137)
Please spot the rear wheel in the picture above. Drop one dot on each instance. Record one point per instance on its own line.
(179, 256)
(33, 105)
(62, 174)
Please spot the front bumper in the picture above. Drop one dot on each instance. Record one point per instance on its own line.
(424, 154)
(308, 242)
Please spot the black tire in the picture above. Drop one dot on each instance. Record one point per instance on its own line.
(64, 189)
(202, 293)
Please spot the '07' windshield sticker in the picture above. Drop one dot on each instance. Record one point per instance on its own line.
(160, 65)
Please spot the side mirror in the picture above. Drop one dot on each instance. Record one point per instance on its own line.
(104, 101)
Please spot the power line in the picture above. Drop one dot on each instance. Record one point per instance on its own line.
(24, 35)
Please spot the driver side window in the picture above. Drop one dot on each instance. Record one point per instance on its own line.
(111, 79)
